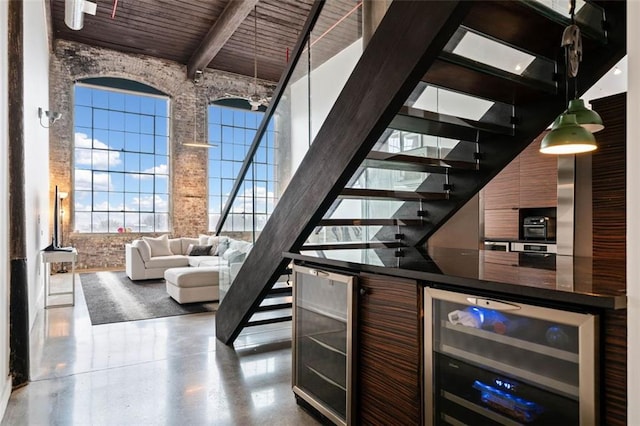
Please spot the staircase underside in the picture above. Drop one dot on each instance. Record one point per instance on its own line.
(412, 49)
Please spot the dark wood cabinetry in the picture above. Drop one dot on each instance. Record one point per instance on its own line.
(538, 177)
(501, 224)
(389, 351)
(503, 192)
(528, 182)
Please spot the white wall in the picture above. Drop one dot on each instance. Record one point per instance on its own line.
(633, 215)
(36, 140)
(5, 381)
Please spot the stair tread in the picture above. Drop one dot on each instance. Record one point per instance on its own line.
(464, 75)
(437, 124)
(392, 194)
(273, 306)
(266, 321)
(399, 161)
(529, 18)
(370, 222)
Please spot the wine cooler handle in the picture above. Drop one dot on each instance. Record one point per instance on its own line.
(492, 304)
(317, 272)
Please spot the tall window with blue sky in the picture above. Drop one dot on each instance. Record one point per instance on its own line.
(121, 161)
(232, 130)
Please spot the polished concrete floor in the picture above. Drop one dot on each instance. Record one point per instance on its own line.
(167, 371)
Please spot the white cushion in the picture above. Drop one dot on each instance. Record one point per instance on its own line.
(175, 244)
(200, 260)
(192, 277)
(159, 246)
(143, 248)
(173, 261)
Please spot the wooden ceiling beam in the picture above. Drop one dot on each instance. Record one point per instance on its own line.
(220, 32)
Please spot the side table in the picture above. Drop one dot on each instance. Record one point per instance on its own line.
(49, 257)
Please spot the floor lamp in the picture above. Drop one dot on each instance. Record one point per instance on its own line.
(62, 195)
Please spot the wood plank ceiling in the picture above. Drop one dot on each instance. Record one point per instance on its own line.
(174, 29)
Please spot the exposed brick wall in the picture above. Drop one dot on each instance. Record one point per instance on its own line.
(188, 181)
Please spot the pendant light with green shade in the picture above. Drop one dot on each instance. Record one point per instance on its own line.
(572, 132)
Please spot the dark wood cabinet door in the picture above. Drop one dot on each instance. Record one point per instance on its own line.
(538, 177)
(389, 351)
(503, 192)
(501, 224)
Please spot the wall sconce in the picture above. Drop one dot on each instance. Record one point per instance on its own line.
(52, 117)
(74, 11)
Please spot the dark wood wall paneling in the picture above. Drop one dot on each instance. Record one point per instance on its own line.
(389, 352)
(609, 249)
(609, 180)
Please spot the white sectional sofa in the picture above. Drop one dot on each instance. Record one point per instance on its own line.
(148, 258)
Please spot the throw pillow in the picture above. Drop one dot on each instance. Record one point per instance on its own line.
(222, 247)
(215, 241)
(159, 246)
(194, 250)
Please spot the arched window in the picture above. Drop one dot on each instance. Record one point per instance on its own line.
(121, 157)
(232, 128)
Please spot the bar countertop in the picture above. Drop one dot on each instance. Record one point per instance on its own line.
(539, 278)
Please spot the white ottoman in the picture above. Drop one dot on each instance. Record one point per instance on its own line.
(187, 285)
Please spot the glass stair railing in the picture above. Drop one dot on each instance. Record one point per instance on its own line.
(377, 148)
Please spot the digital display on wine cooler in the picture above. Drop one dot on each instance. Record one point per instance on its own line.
(505, 385)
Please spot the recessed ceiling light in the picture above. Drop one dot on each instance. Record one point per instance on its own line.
(617, 71)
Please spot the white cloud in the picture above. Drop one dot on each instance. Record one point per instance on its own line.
(100, 181)
(244, 202)
(98, 159)
(147, 203)
(162, 169)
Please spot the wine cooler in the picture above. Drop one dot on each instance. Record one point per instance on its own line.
(491, 362)
(323, 317)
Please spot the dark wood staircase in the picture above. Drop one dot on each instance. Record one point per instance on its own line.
(414, 51)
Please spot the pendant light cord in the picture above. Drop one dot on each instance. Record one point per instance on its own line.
(255, 49)
(572, 12)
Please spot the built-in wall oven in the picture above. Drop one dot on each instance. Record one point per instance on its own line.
(534, 247)
(539, 228)
(494, 362)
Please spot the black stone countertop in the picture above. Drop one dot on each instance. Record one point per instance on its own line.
(538, 278)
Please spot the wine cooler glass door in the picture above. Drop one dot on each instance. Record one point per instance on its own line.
(322, 346)
(507, 363)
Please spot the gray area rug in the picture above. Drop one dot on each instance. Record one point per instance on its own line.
(113, 297)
